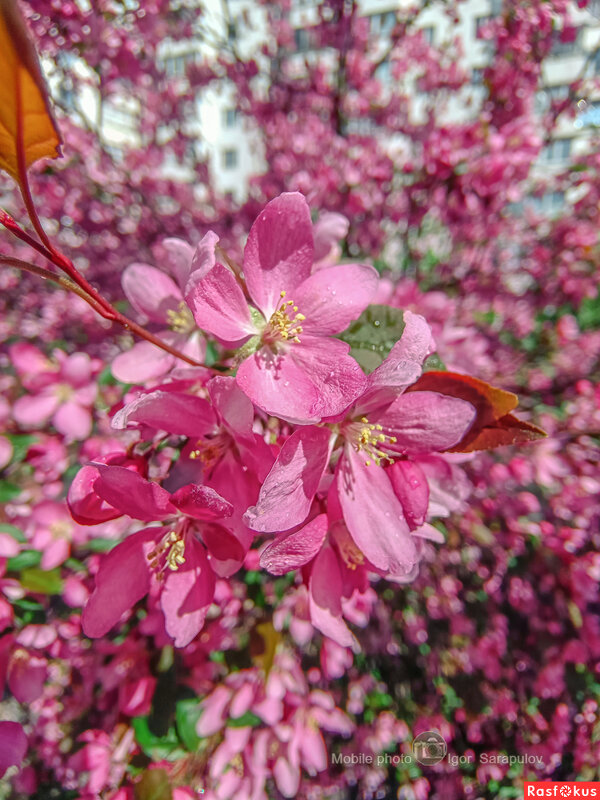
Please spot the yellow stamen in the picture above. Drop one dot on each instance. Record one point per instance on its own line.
(181, 321)
(172, 547)
(349, 552)
(370, 437)
(284, 324)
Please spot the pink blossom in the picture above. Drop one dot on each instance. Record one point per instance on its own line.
(13, 745)
(159, 299)
(371, 488)
(172, 552)
(61, 390)
(52, 530)
(289, 364)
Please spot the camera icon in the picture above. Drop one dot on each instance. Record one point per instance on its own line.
(429, 748)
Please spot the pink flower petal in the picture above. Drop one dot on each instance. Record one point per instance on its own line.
(324, 594)
(179, 259)
(314, 752)
(416, 342)
(223, 546)
(337, 378)
(218, 304)
(131, 494)
(73, 420)
(402, 367)
(55, 553)
(28, 360)
(373, 514)
(328, 231)
(287, 493)
(287, 777)
(411, 488)
(312, 380)
(77, 369)
(295, 549)
(279, 251)
(13, 745)
(86, 507)
(183, 414)
(26, 676)
(187, 595)
(150, 291)
(8, 546)
(142, 363)
(425, 422)
(232, 405)
(35, 409)
(204, 256)
(279, 386)
(333, 297)
(201, 502)
(214, 712)
(122, 580)
(449, 487)
(6, 451)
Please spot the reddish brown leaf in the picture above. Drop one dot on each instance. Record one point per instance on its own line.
(27, 127)
(494, 425)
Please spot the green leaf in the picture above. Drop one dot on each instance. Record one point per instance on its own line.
(13, 531)
(434, 363)
(25, 560)
(247, 720)
(187, 714)
(212, 356)
(373, 334)
(157, 747)
(588, 316)
(42, 581)
(8, 491)
(105, 378)
(153, 785)
(29, 612)
(101, 545)
(21, 442)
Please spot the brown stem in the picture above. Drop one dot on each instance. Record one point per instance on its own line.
(116, 316)
(77, 284)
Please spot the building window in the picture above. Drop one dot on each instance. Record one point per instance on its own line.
(564, 48)
(428, 33)
(383, 72)
(383, 24)
(229, 117)
(548, 204)
(593, 7)
(548, 95)
(175, 66)
(230, 159)
(558, 150)
(477, 74)
(231, 31)
(496, 7)
(302, 40)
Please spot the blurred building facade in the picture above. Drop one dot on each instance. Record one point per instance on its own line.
(234, 150)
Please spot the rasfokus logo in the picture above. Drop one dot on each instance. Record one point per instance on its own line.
(562, 789)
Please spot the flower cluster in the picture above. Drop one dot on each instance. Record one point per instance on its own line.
(341, 469)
